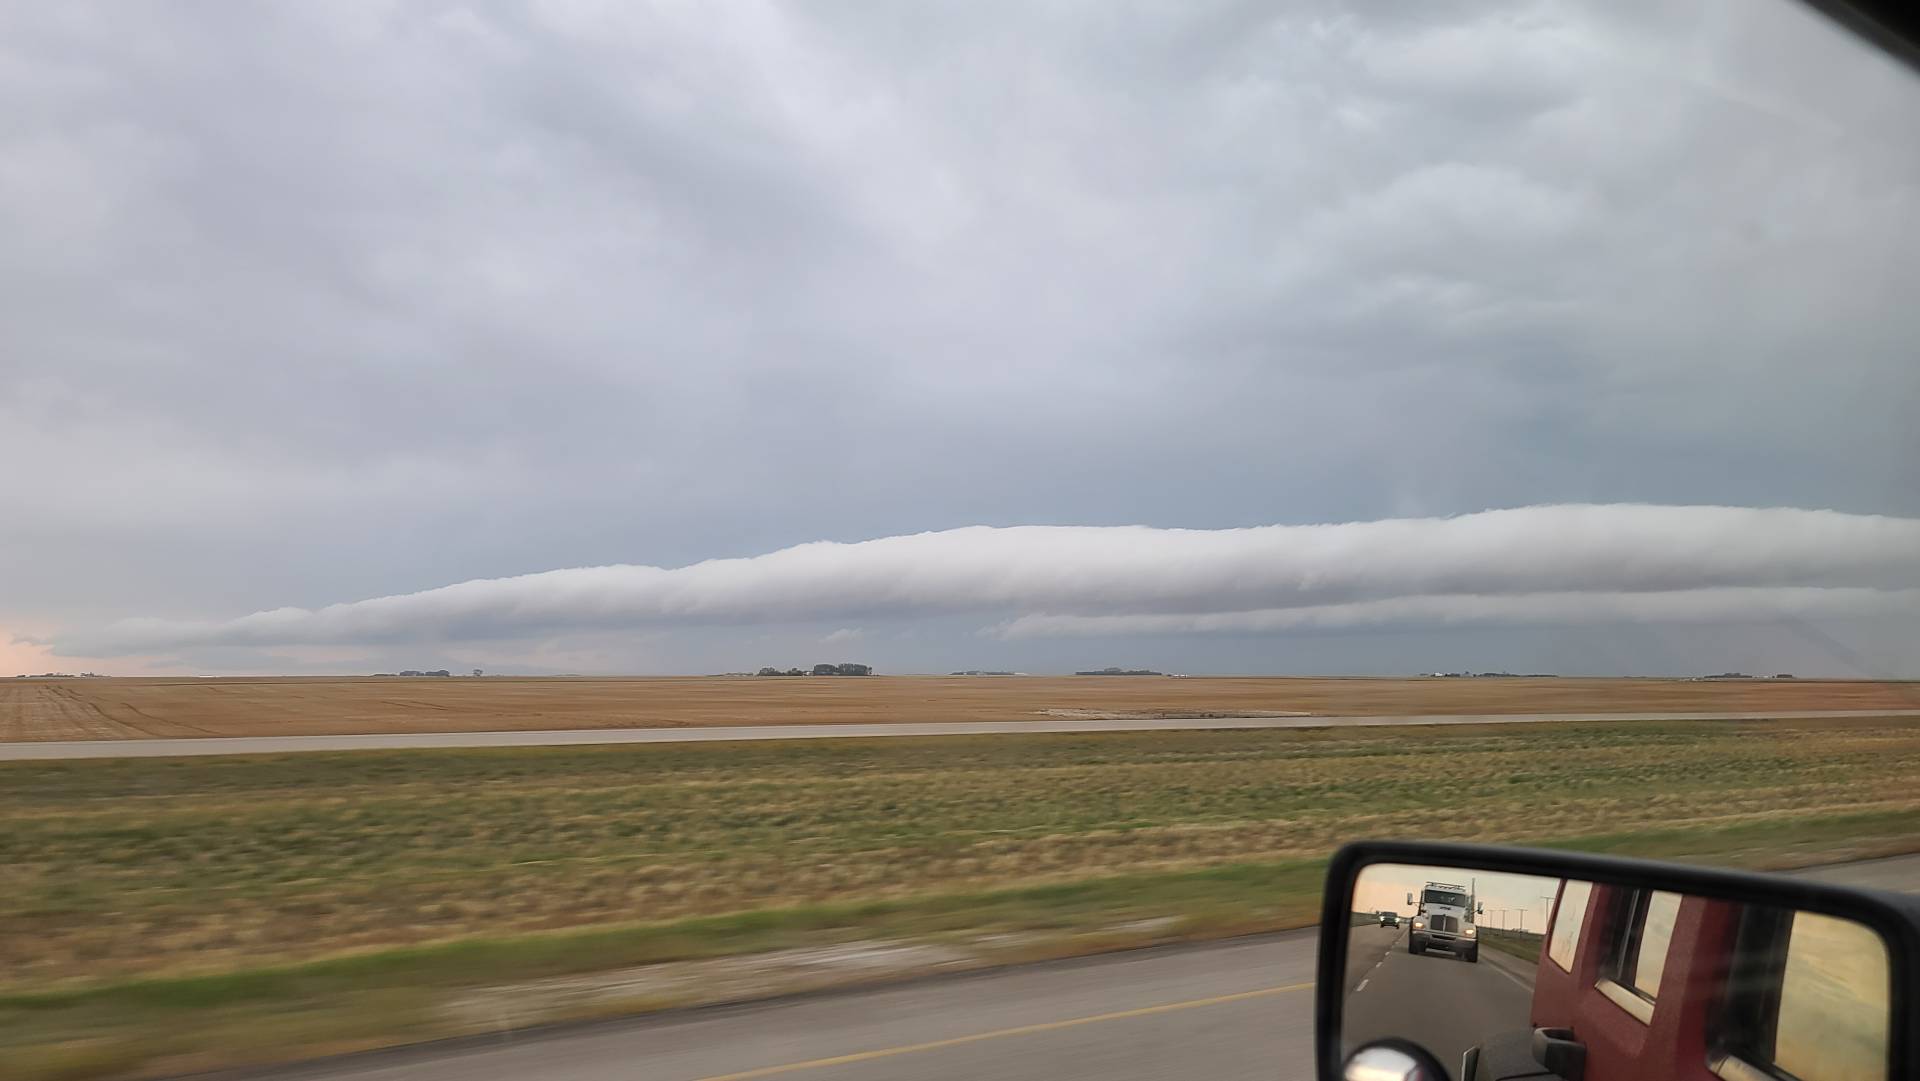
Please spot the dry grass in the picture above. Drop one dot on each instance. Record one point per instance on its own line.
(1522, 944)
(131, 708)
(159, 917)
(124, 868)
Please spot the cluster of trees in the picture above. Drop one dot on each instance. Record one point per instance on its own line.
(820, 670)
(411, 672)
(1121, 672)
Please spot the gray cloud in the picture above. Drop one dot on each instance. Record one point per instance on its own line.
(340, 301)
(1561, 563)
(1754, 605)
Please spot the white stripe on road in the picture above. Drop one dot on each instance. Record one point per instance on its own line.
(1021, 1030)
(1518, 982)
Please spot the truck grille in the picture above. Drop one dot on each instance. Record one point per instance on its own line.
(1449, 924)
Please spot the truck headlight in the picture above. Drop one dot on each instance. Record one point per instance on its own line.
(1418, 926)
(1468, 932)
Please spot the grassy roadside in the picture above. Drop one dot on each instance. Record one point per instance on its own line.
(167, 1025)
(1524, 945)
(131, 868)
(167, 918)
(170, 1025)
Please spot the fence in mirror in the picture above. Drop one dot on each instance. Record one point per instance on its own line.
(1540, 966)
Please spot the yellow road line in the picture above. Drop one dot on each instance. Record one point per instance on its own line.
(1019, 1030)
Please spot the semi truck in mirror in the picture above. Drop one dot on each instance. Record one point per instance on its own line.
(1610, 969)
(1443, 919)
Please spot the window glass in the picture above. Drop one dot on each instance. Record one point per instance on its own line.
(1568, 918)
(1833, 1002)
(1649, 932)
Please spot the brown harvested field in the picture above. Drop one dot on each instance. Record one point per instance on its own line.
(136, 708)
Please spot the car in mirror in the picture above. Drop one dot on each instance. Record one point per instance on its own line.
(1522, 964)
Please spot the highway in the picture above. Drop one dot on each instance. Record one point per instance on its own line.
(217, 745)
(1440, 1002)
(1223, 1011)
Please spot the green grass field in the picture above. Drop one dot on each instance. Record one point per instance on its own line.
(336, 901)
(1522, 944)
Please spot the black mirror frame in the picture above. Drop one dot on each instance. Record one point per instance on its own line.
(1895, 916)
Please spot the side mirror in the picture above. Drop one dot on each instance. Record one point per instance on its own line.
(1771, 976)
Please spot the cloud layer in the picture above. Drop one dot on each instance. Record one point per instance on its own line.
(1736, 605)
(304, 302)
(1565, 563)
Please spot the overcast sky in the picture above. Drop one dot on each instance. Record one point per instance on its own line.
(1383, 887)
(305, 306)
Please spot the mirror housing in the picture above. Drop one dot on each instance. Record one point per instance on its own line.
(1895, 918)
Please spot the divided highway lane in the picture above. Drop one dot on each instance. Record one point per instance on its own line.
(1232, 1010)
(1440, 1002)
(1223, 1011)
(214, 745)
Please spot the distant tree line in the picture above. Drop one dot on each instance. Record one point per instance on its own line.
(820, 670)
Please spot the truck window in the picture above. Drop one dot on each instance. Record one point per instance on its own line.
(1833, 1001)
(1642, 956)
(1569, 915)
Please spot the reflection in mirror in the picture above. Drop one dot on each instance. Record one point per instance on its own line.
(1832, 1018)
(1511, 976)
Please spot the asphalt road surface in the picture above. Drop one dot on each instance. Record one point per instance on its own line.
(1235, 1010)
(1438, 1001)
(1222, 1012)
(210, 745)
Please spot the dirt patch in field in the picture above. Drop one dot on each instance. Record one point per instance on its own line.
(44, 710)
(133, 708)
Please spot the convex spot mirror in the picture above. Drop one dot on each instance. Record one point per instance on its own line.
(1505, 963)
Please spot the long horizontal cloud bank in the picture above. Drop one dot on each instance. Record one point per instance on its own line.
(1579, 563)
(1523, 609)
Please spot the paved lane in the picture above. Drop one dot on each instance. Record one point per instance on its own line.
(213, 745)
(1440, 1002)
(1224, 1012)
